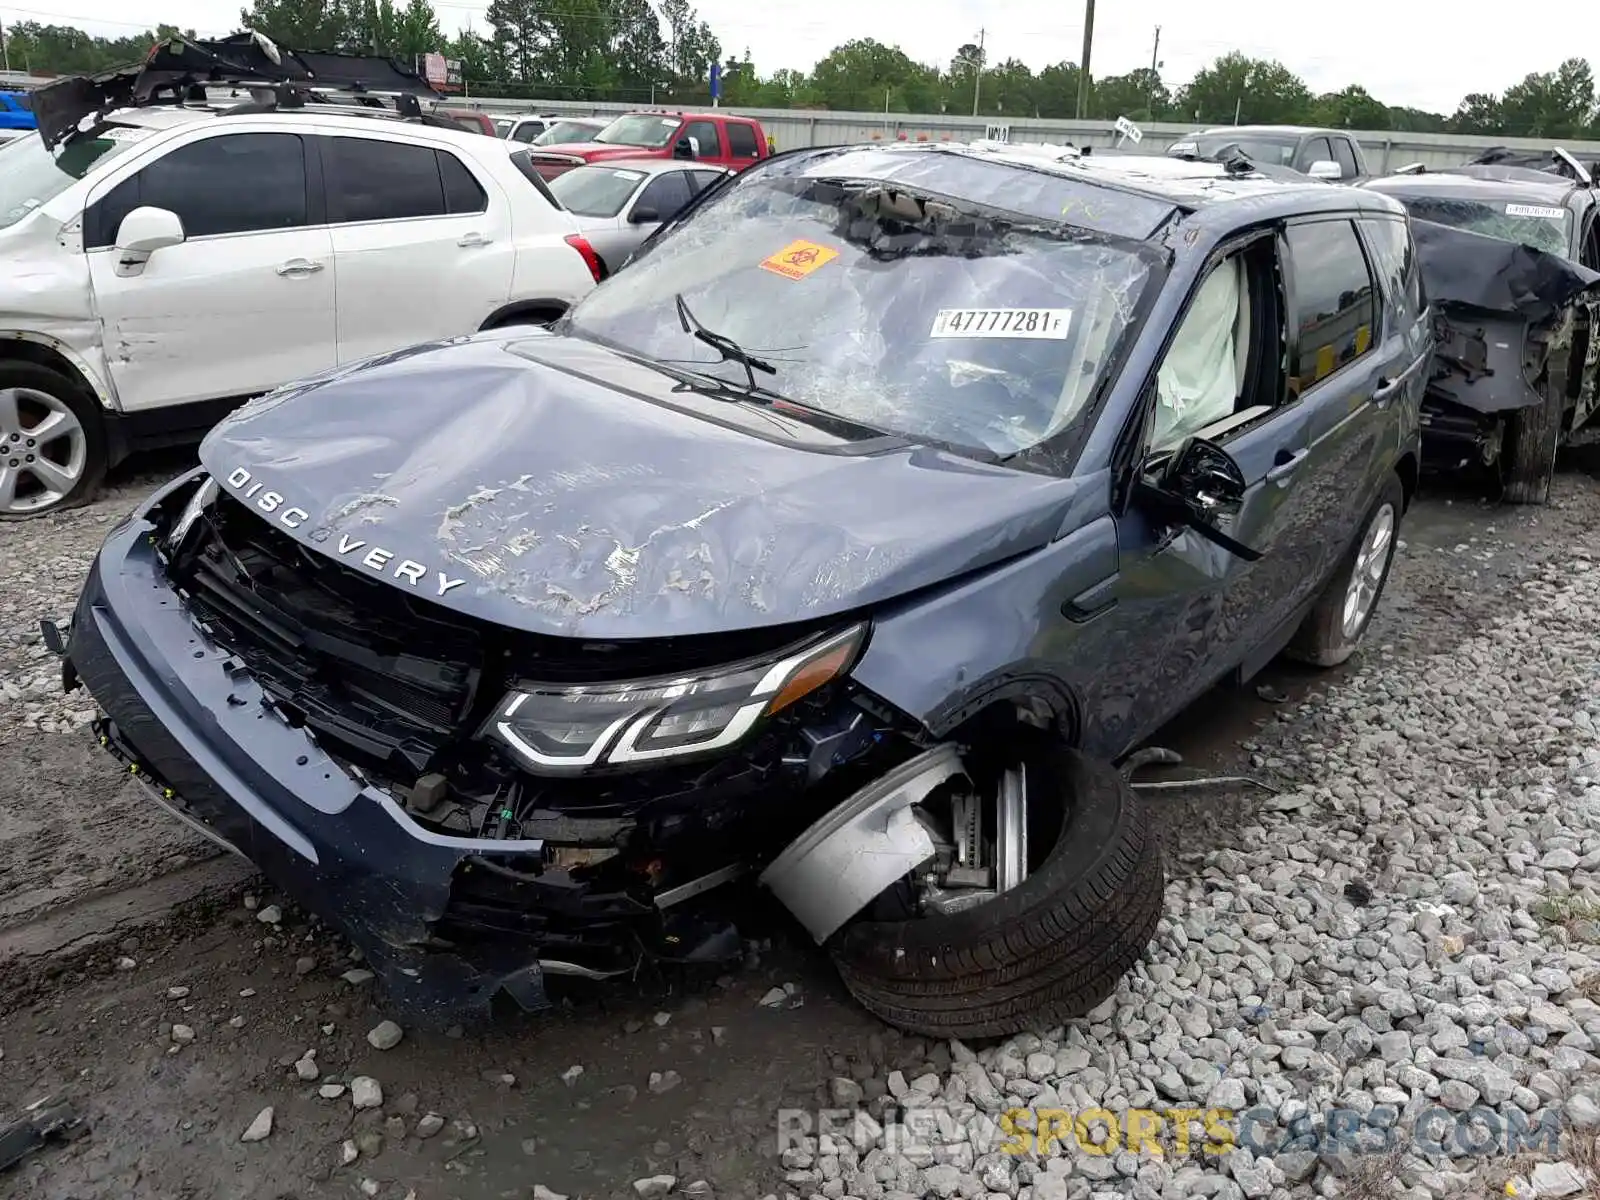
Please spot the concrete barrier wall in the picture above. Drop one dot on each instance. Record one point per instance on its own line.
(794, 128)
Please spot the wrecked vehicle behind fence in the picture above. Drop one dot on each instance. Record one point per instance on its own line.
(1508, 256)
(840, 541)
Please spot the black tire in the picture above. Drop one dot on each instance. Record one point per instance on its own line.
(32, 376)
(1048, 950)
(1321, 639)
(1533, 436)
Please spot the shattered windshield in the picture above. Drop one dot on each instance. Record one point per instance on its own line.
(646, 131)
(897, 310)
(1544, 227)
(31, 175)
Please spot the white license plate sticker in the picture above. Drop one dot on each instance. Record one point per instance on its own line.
(1050, 324)
(1535, 210)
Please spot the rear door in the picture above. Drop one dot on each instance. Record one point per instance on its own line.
(744, 144)
(422, 242)
(1350, 375)
(246, 301)
(1344, 153)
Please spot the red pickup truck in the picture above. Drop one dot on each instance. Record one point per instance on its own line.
(713, 137)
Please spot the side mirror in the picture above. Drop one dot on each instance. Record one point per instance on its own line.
(1325, 169)
(146, 230)
(1201, 487)
(685, 148)
(643, 214)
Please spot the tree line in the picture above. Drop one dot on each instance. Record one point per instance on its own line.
(661, 51)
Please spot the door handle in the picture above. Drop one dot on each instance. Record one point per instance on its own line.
(299, 266)
(473, 239)
(1288, 466)
(1388, 388)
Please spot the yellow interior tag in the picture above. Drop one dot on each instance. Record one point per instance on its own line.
(798, 259)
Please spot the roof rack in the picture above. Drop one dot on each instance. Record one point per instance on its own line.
(179, 69)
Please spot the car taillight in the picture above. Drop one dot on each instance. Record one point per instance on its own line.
(591, 260)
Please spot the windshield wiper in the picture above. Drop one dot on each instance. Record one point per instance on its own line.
(730, 350)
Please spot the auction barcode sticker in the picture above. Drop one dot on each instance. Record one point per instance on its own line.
(1536, 210)
(1049, 323)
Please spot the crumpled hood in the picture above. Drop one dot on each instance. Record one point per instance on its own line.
(543, 484)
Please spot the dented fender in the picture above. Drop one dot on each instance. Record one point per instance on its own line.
(47, 299)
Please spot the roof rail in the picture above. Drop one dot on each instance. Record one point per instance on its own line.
(179, 68)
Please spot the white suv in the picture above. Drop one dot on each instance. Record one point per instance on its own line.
(180, 260)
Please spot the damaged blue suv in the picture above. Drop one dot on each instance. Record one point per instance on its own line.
(840, 542)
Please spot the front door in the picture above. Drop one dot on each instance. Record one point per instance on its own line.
(244, 303)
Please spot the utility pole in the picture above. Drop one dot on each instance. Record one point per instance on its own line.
(1155, 74)
(5, 48)
(1083, 67)
(977, 74)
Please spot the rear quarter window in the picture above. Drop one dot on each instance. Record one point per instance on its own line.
(1394, 260)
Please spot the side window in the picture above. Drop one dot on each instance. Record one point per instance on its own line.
(741, 140)
(1334, 303)
(236, 183)
(527, 131)
(462, 192)
(1315, 150)
(666, 193)
(370, 180)
(1395, 263)
(1345, 156)
(706, 133)
(704, 179)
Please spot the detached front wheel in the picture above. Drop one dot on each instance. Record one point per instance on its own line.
(1047, 949)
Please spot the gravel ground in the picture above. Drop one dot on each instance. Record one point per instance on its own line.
(1392, 959)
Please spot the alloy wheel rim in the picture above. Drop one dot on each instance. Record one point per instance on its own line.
(44, 450)
(1372, 562)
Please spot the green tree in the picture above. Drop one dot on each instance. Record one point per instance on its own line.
(416, 30)
(305, 24)
(1353, 108)
(1554, 104)
(1139, 95)
(1056, 90)
(861, 74)
(1258, 91)
(1479, 112)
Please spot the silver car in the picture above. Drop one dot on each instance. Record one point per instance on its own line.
(619, 204)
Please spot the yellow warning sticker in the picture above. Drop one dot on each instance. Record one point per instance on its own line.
(798, 259)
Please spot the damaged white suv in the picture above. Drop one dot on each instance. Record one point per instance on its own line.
(165, 262)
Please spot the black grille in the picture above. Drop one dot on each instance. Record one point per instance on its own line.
(360, 661)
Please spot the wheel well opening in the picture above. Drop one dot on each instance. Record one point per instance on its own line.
(540, 312)
(1406, 468)
(1008, 720)
(21, 350)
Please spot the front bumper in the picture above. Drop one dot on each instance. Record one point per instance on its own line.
(188, 718)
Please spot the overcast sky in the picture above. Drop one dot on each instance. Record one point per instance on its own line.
(1405, 54)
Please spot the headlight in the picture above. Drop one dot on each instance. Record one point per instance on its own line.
(203, 495)
(559, 729)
